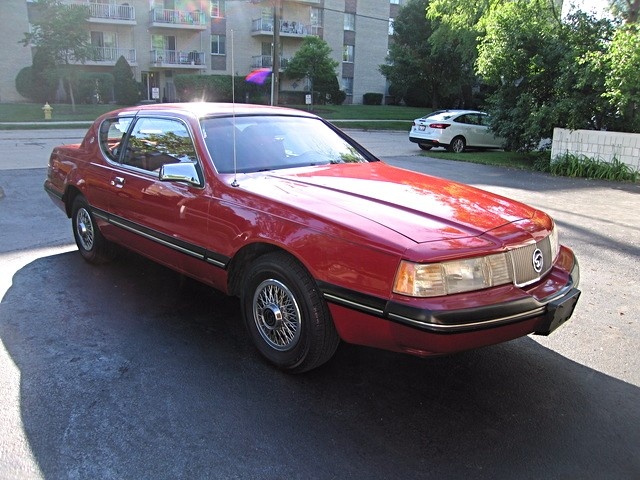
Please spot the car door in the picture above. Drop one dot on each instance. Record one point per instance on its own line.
(488, 139)
(165, 220)
(467, 126)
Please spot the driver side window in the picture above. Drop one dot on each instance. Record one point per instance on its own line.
(155, 142)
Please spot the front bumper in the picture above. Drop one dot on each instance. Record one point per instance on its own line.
(462, 321)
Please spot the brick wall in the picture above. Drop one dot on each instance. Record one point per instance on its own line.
(597, 144)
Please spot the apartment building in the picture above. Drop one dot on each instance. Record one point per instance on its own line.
(164, 38)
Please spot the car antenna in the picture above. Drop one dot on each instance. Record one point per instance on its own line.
(233, 117)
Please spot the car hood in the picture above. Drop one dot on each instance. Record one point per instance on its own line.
(375, 197)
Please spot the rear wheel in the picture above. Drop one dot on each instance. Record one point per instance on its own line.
(285, 314)
(424, 146)
(93, 247)
(457, 145)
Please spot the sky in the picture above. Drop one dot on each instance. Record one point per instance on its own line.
(599, 7)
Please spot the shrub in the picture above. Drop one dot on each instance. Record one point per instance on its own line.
(287, 97)
(35, 85)
(208, 88)
(94, 87)
(571, 165)
(372, 98)
(328, 92)
(125, 88)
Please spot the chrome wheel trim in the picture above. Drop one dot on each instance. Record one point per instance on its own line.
(277, 315)
(84, 229)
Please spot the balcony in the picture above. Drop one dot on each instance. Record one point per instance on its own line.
(288, 28)
(108, 56)
(161, 17)
(113, 13)
(177, 59)
(266, 61)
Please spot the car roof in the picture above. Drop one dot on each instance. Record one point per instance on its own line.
(451, 113)
(209, 109)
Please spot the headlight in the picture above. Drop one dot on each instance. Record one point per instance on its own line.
(455, 276)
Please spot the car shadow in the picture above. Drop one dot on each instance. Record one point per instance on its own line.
(131, 371)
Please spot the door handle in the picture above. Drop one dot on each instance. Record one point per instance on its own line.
(117, 182)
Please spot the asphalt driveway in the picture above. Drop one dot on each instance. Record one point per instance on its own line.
(127, 371)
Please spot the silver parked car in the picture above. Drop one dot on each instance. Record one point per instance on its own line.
(455, 130)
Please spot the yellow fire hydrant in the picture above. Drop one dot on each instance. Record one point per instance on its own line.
(47, 109)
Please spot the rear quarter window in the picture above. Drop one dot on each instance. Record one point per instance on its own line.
(112, 132)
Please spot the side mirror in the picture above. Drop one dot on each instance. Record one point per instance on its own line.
(181, 172)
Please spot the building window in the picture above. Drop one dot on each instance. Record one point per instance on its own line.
(395, 2)
(217, 8)
(391, 26)
(350, 21)
(316, 17)
(347, 53)
(347, 85)
(218, 45)
(163, 42)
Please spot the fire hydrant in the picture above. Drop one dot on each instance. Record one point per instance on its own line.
(47, 109)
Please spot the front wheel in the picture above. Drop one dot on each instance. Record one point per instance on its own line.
(286, 316)
(93, 247)
(457, 145)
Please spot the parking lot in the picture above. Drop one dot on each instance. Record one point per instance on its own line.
(129, 371)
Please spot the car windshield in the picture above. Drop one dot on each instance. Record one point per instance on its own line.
(274, 142)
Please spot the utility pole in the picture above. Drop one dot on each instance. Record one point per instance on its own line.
(275, 62)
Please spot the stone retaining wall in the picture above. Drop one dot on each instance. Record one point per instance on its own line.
(596, 144)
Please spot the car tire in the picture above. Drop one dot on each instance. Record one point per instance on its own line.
(286, 315)
(93, 247)
(457, 145)
(425, 147)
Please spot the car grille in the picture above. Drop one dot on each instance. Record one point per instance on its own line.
(522, 262)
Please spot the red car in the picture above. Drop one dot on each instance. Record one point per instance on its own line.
(319, 239)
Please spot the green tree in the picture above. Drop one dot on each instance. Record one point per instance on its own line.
(629, 10)
(125, 86)
(520, 55)
(55, 31)
(428, 65)
(623, 88)
(312, 61)
(579, 90)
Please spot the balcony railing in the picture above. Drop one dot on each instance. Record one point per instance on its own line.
(111, 12)
(105, 56)
(266, 61)
(177, 58)
(288, 28)
(110, 55)
(178, 18)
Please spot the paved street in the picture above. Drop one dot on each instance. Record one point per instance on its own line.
(129, 371)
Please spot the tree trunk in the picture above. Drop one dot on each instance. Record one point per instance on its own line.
(634, 11)
(72, 97)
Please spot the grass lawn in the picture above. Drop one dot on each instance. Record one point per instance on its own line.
(31, 112)
(498, 158)
(368, 117)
